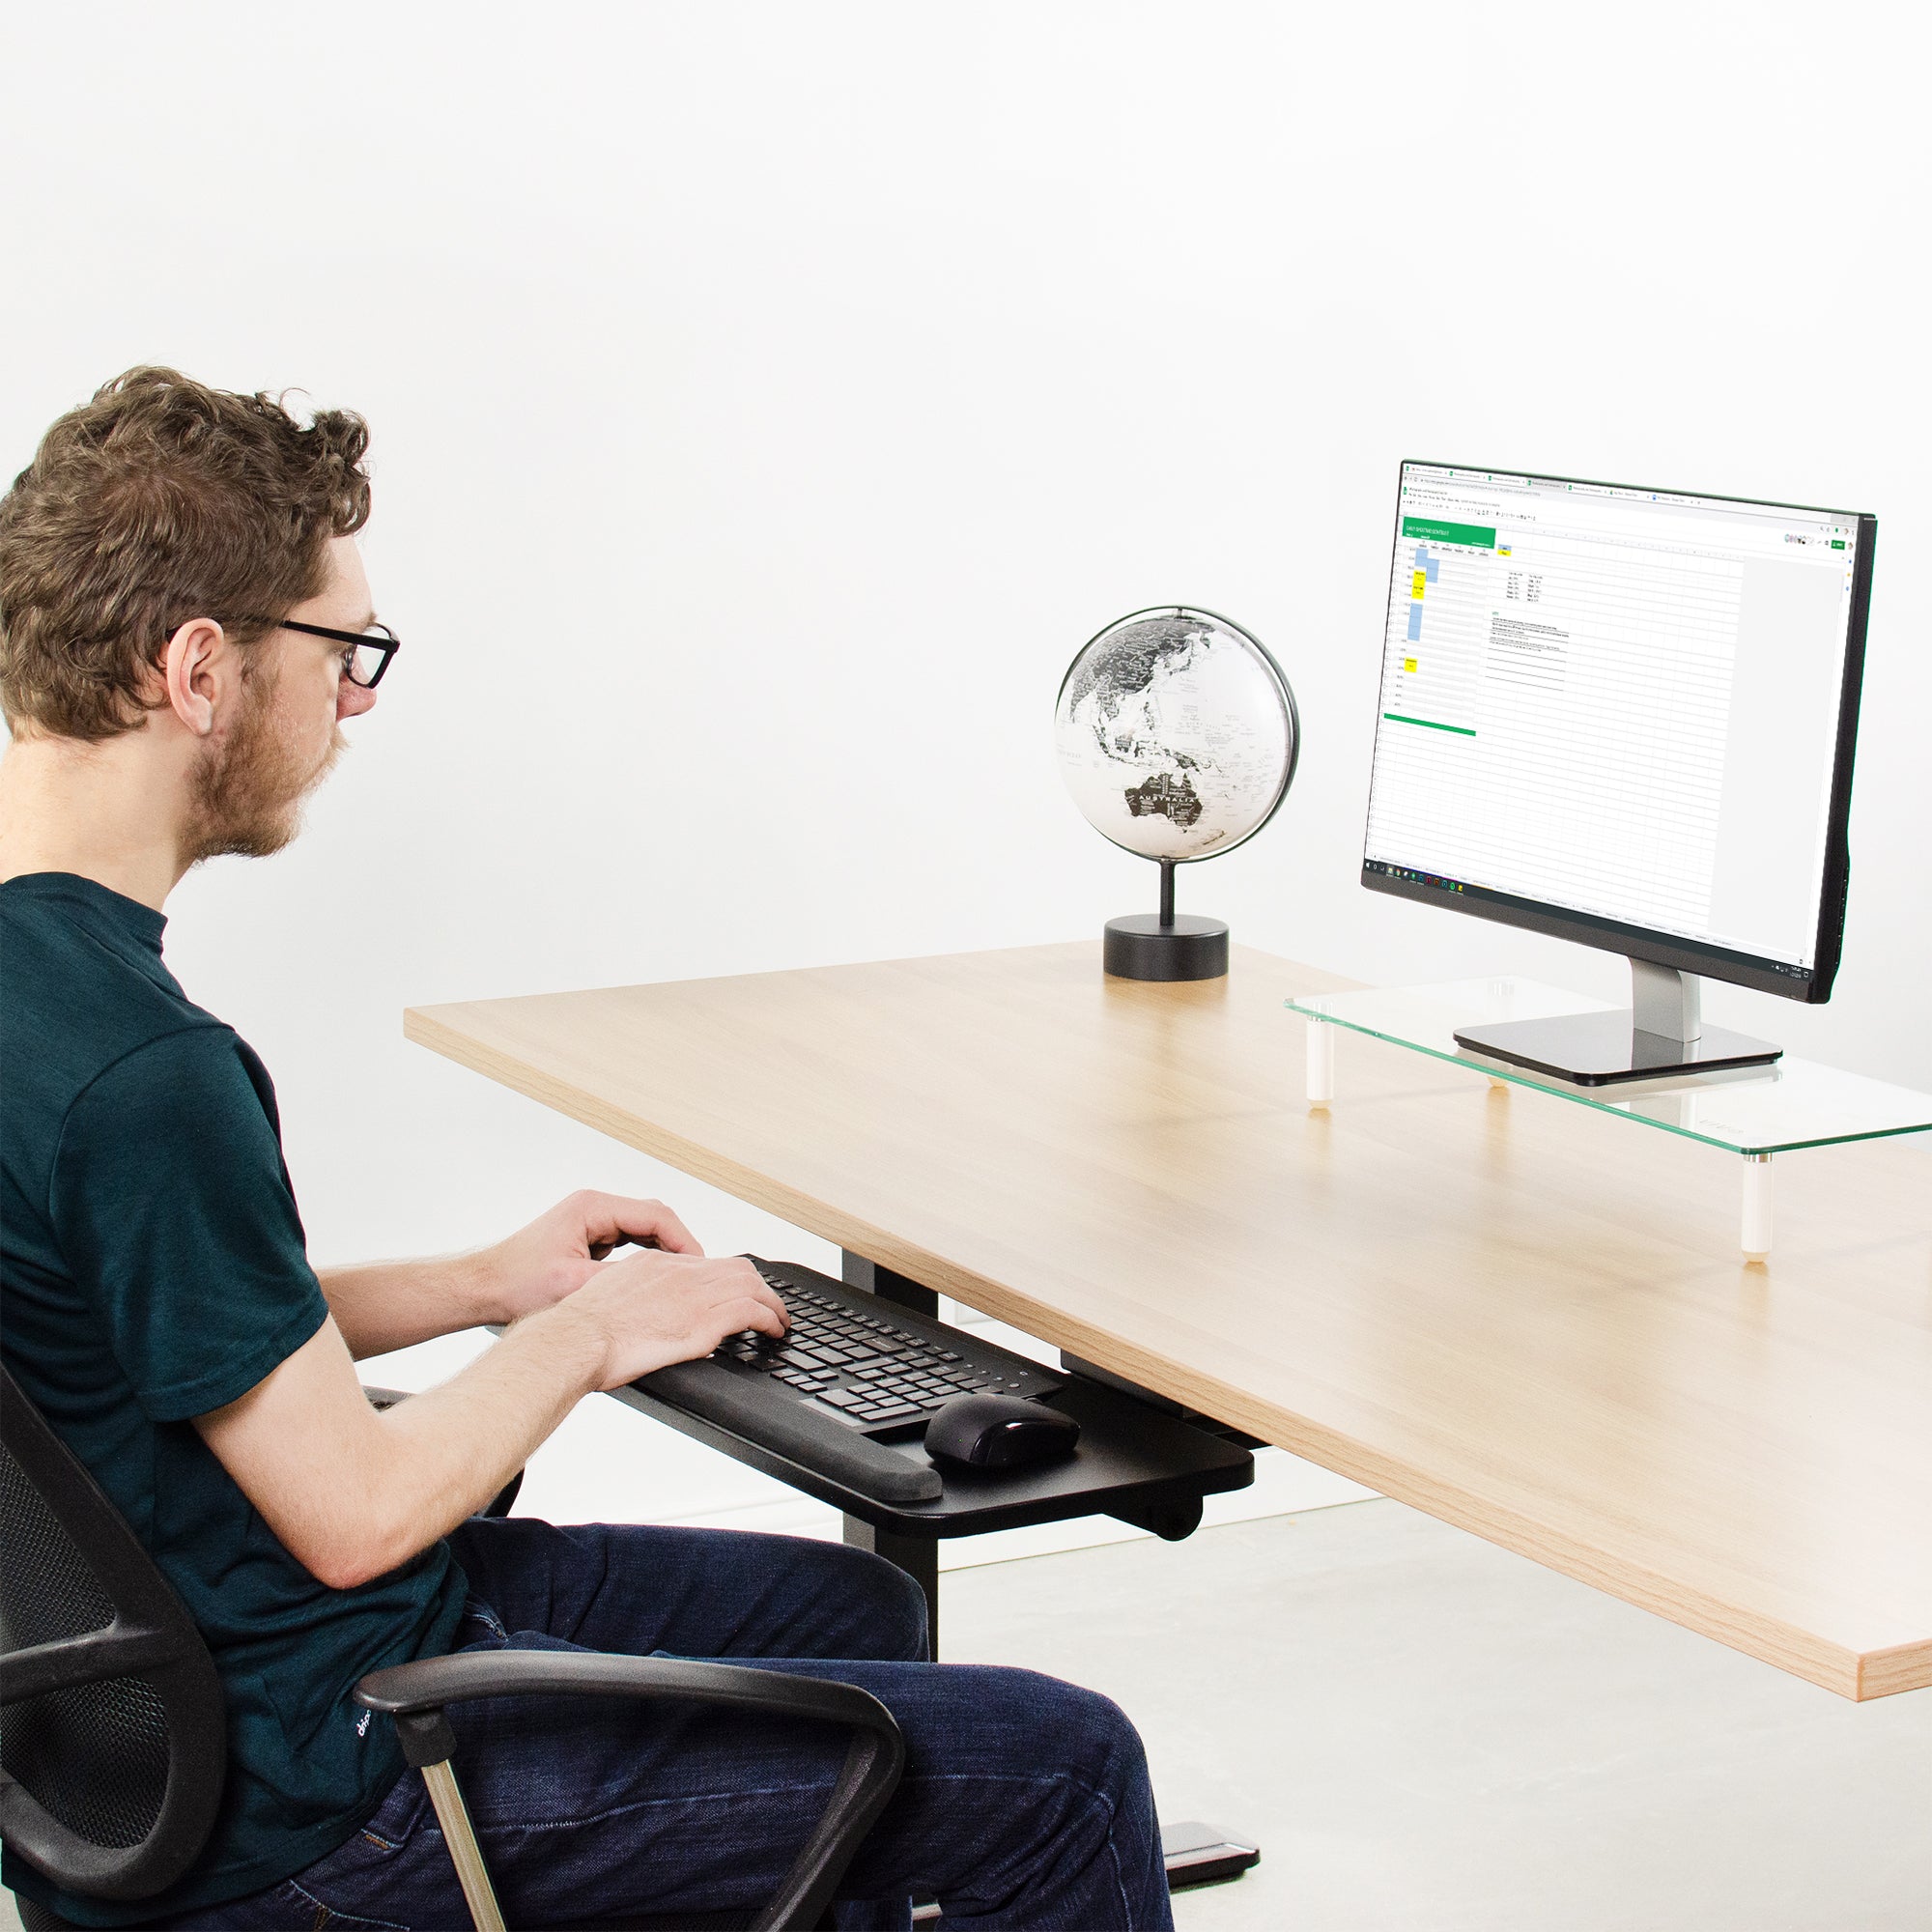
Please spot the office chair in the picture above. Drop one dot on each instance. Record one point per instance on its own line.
(112, 1751)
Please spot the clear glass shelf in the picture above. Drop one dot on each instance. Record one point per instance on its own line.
(1753, 1110)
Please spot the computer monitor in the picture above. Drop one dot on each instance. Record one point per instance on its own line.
(1623, 717)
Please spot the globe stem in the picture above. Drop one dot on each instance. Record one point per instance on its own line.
(1167, 891)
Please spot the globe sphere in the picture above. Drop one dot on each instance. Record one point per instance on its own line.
(1176, 732)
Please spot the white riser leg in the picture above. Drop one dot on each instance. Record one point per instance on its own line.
(1321, 1064)
(1756, 1232)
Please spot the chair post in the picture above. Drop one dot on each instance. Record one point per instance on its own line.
(429, 1744)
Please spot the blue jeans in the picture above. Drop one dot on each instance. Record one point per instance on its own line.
(1025, 1801)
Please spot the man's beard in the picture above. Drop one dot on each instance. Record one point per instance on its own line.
(246, 797)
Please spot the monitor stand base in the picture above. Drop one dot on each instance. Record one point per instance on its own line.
(1595, 1049)
(1663, 1033)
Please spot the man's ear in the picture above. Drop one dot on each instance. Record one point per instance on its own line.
(194, 664)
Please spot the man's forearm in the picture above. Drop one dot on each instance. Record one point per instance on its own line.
(385, 1305)
(449, 1450)
(397, 1481)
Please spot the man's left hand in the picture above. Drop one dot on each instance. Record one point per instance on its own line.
(559, 1251)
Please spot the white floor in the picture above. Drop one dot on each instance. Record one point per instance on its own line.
(1427, 1735)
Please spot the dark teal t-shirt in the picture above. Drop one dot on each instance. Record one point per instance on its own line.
(152, 1268)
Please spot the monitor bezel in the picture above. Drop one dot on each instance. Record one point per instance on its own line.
(1668, 949)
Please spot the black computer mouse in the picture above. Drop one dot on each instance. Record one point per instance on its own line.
(998, 1432)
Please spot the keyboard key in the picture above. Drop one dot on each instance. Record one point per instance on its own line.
(839, 1398)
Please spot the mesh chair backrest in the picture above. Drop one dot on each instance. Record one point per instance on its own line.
(95, 1757)
(112, 1736)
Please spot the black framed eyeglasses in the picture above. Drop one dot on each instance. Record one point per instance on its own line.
(368, 652)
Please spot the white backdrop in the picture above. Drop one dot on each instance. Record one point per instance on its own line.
(769, 399)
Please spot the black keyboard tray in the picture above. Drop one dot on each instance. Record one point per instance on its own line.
(1133, 1462)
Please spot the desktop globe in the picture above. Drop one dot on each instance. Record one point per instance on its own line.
(1178, 737)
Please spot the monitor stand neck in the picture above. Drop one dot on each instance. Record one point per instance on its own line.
(1666, 1002)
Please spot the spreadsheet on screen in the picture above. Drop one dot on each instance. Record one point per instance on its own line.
(1623, 702)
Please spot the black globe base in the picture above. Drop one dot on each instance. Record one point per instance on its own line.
(1140, 947)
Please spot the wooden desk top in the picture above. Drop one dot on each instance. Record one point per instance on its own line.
(1519, 1316)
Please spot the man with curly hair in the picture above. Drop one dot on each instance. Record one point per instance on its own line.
(185, 628)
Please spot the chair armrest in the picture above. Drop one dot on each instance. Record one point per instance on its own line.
(431, 1682)
(415, 1695)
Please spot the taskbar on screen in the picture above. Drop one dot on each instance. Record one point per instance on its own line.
(1588, 929)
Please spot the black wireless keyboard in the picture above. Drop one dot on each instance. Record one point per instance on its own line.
(853, 1374)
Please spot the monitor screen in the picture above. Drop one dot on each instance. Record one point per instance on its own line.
(1624, 715)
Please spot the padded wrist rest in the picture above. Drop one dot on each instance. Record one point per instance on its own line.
(767, 1412)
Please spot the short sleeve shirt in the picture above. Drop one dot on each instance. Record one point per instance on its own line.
(153, 1269)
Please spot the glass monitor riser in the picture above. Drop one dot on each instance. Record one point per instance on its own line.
(1756, 1111)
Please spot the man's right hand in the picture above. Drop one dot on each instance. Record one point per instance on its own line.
(651, 1308)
